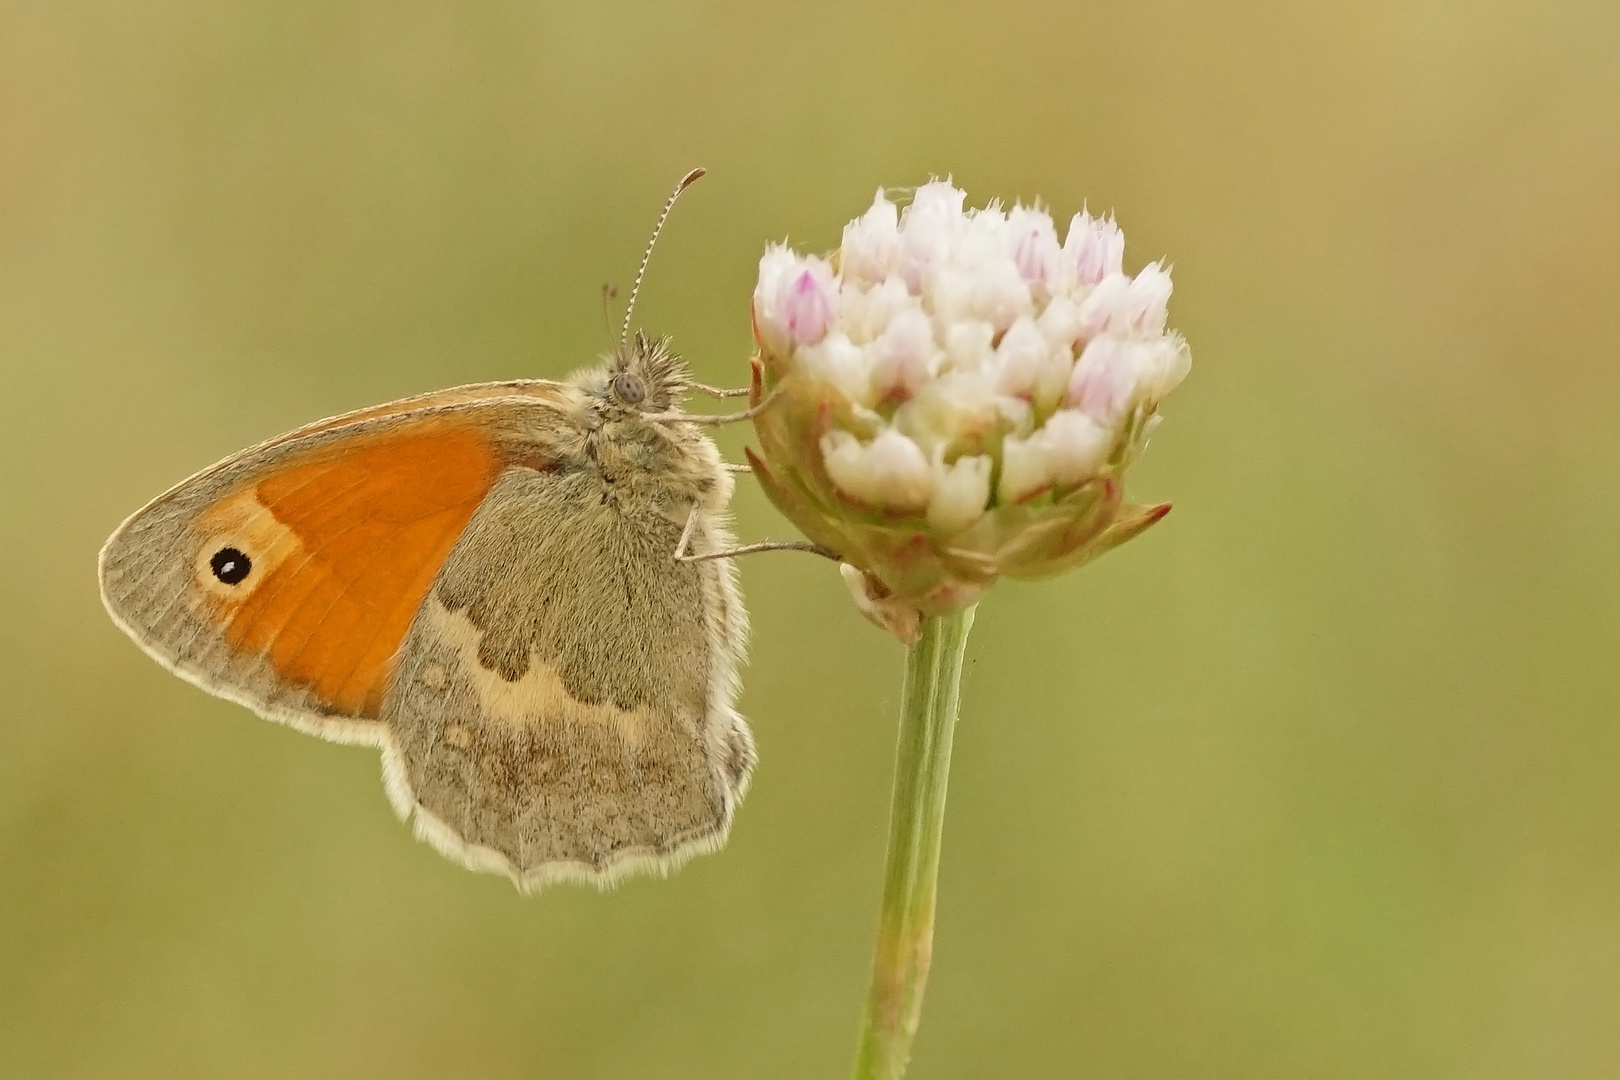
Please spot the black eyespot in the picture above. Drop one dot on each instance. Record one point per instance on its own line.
(629, 388)
(230, 565)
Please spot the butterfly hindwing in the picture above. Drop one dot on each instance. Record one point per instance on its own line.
(561, 707)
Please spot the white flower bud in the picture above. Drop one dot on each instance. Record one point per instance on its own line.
(967, 345)
(984, 234)
(927, 229)
(1017, 416)
(1060, 322)
(955, 407)
(1122, 305)
(847, 465)
(1020, 359)
(937, 198)
(1149, 300)
(903, 478)
(1001, 295)
(1106, 378)
(992, 291)
(1053, 384)
(1023, 470)
(1106, 307)
(840, 363)
(961, 491)
(890, 471)
(1068, 450)
(1075, 445)
(776, 265)
(1095, 246)
(1034, 246)
(904, 355)
(1172, 360)
(948, 291)
(871, 243)
(864, 313)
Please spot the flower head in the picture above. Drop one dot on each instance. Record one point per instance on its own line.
(956, 394)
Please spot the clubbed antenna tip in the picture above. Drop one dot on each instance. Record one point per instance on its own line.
(669, 204)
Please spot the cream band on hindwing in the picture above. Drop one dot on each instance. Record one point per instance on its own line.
(538, 697)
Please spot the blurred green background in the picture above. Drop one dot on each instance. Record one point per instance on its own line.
(1317, 779)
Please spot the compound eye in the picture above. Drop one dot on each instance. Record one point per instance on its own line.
(629, 388)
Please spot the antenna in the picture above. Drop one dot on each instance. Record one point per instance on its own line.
(630, 308)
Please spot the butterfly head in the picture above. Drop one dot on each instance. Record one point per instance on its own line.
(640, 376)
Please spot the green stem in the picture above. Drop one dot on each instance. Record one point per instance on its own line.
(906, 922)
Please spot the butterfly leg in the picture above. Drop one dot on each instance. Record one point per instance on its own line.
(729, 467)
(712, 419)
(719, 391)
(686, 535)
(766, 545)
(685, 541)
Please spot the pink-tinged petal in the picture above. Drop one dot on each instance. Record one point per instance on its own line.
(1105, 379)
(1107, 308)
(1096, 246)
(1149, 302)
(776, 267)
(1035, 249)
(808, 303)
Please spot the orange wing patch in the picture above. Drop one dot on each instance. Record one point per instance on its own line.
(343, 550)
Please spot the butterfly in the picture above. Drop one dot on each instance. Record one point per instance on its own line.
(518, 590)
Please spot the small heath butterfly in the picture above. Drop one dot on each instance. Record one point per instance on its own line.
(517, 590)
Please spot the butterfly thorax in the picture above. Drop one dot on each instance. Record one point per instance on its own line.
(644, 458)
